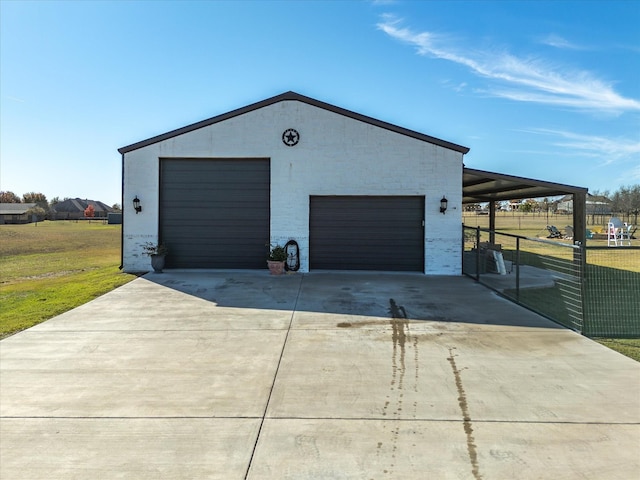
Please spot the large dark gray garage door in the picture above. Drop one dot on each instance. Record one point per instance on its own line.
(214, 213)
(366, 233)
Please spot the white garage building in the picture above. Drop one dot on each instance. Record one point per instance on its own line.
(354, 192)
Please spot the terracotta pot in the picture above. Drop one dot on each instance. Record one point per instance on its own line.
(276, 268)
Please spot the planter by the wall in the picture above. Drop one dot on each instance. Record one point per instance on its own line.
(157, 262)
(275, 267)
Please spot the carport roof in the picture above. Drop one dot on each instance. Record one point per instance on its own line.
(293, 96)
(481, 186)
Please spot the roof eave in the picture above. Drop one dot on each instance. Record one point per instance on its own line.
(512, 188)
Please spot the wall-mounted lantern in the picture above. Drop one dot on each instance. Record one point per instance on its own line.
(136, 205)
(443, 205)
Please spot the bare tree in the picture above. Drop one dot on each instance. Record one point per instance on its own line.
(627, 201)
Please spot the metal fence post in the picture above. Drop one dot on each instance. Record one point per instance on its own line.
(477, 254)
(518, 269)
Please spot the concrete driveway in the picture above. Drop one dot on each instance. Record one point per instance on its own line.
(240, 375)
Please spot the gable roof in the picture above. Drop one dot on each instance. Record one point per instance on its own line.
(598, 199)
(293, 96)
(15, 208)
(74, 205)
(590, 199)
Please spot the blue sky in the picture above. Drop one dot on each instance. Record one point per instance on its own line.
(547, 90)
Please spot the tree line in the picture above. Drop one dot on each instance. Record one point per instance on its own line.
(627, 200)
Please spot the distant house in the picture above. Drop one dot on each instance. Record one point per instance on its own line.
(513, 205)
(73, 209)
(595, 205)
(15, 212)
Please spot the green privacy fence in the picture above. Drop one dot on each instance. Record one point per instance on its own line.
(593, 290)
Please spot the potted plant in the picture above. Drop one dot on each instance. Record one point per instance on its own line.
(157, 252)
(276, 259)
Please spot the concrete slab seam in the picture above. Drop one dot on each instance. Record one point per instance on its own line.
(275, 376)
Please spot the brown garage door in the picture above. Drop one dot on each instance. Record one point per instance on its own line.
(366, 233)
(214, 213)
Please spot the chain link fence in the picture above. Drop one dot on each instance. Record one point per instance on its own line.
(592, 290)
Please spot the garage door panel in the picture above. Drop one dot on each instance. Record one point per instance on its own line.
(216, 217)
(231, 175)
(210, 241)
(219, 209)
(226, 244)
(215, 213)
(205, 191)
(367, 233)
(369, 246)
(212, 225)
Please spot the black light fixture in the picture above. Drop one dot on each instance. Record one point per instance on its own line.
(136, 205)
(443, 205)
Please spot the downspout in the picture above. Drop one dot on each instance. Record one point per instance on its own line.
(122, 226)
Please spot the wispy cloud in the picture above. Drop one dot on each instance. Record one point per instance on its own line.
(608, 150)
(455, 86)
(519, 79)
(557, 41)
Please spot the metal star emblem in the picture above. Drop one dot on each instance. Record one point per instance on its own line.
(290, 137)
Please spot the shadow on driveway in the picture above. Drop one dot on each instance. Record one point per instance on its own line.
(363, 297)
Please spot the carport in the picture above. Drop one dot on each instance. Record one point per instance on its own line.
(479, 186)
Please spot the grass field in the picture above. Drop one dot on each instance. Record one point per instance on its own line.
(627, 346)
(51, 267)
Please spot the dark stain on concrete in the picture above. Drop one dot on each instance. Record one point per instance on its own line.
(361, 324)
(402, 339)
(464, 407)
(399, 337)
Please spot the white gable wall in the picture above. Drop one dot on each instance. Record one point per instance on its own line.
(336, 155)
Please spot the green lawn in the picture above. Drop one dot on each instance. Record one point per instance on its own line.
(627, 346)
(51, 267)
